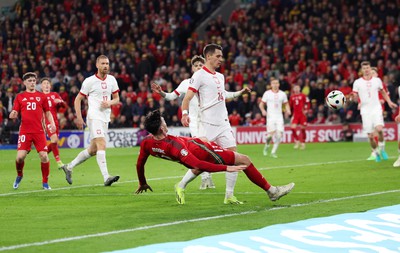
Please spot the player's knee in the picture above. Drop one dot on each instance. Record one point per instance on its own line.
(43, 157)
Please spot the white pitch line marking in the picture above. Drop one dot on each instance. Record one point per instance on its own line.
(175, 177)
(75, 238)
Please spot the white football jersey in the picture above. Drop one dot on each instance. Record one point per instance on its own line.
(97, 90)
(210, 90)
(274, 102)
(367, 91)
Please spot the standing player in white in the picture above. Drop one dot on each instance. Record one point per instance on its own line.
(209, 87)
(197, 63)
(98, 88)
(274, 99)
(365, 89)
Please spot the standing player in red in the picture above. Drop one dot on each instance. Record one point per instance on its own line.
(299, 103)
(30, 105)
(53, 99)
(198, 155)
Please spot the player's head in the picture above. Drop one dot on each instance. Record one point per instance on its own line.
(197, 63)
(296, 89)
(102, 64)
(213, 55)
(366, 68)
(29, 80)
(274, 83)
(45, 84)
(374, 71)
(154, 123)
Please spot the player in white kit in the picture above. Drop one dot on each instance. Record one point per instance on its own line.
(365, 89)
(101, 91)
(209, 87)
(197, 63)
(275, 99)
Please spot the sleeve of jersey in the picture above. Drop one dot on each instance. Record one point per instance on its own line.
(191, 161)
(115, 88)
(141, 161)
(85, 88)
(194, 82)
(45, 105)
(171, 95)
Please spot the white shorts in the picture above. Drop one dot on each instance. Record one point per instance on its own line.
(194, 129)
(275, 125)
(222, 135)
(97, 128)
(370, 121)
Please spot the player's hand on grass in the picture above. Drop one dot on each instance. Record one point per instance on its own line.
(143, 188)
(236, 168)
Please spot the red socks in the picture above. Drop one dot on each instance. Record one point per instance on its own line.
(45, 171)
(56, 152)
(256, 177)
(294, 133)
(20, 168)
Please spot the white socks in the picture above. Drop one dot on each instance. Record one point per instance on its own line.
(381, 145)
(80, 158)
(231, 178)
(277, 140)
(187, 178)
(101, 161)
(205, 175)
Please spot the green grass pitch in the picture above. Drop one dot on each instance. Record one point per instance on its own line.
(331, 178)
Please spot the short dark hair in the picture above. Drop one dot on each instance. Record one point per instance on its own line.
(152, 123)
(45, 79)
(197, 58)
(210, 49)
(365, 63)
(28, 75)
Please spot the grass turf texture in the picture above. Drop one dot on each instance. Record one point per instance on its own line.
(331, 178)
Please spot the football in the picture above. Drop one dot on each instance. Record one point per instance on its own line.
(335, 99)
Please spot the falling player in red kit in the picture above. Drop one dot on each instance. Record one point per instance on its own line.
(30, 105)
(54, 100)
(198, 155)
(299, 103)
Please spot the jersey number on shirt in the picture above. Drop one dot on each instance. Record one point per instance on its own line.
(105, 98)
(31, 106)
(220, 96)
(21, 138)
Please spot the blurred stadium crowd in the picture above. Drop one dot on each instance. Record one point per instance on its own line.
(317, 44)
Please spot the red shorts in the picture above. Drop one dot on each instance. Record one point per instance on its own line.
(38, 139)
(299, 119)
(212, 153)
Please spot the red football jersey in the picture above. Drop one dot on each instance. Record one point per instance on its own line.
(31, 106)
(52, 106)
(209, 157)
(298, 102)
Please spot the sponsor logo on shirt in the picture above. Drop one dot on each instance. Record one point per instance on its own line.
(184, 152)
(158, 150)
(191, 80)
(24, 99)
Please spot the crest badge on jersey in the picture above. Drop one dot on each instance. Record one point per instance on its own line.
(98, 131)
(184, 152)
(103, 85)
(38, 99)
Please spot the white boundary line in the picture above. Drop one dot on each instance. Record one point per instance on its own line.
(175, 177)
(75, 238)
